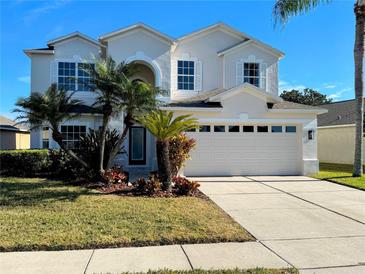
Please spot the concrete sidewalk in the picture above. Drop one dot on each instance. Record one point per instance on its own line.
(116, 260)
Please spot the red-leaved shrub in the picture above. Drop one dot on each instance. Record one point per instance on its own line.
(179, 149)
(184, 186)
(114, 176)
(147, 187)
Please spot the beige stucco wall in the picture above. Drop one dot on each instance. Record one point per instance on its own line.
(337, 144)
(14, 140)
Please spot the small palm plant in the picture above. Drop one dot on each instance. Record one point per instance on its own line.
(164, 126)
(53, 107)
(136, 98)
(107, 77)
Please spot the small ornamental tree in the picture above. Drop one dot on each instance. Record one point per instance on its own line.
(180, 147)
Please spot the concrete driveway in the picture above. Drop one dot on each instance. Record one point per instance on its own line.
(315, 226)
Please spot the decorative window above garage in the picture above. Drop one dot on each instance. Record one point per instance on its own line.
(251, 70)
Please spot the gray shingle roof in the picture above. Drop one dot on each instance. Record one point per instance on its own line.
(291, 105)
(339, 113)
(196, 104)
(6, 123)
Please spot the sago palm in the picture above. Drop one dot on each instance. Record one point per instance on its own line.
(135, 99)
(106, 78)
(163, 125)
(284, 9)
(53, 108)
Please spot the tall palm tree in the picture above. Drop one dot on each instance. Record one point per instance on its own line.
(164, 126)
(106, 77)
(135, 98)
(284, 9)
(53, 107)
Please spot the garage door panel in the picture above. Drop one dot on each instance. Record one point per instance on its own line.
(219, 153)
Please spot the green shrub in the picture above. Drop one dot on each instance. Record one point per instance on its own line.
(38, 162)
(24, 163)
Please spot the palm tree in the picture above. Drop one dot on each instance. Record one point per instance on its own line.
(106, 77)
(53, 107)
(284, 9)
(164, 126)
(135, 99)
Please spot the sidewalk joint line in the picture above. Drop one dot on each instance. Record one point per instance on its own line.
(187, 257)
(274, 252)
(88, 262)
(313, 203)
(312, 238)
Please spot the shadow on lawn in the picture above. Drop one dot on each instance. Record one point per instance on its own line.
(24, 193)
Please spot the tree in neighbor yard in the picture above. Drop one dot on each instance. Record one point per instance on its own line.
(307, 97)
(284, 9)
(164, 126)
(53, 107)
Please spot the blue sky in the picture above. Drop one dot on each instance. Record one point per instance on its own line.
(318, 46)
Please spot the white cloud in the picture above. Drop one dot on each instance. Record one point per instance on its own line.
(329, 86)
(24, 79)
(338, 95)
(45, 8)
(284, 85)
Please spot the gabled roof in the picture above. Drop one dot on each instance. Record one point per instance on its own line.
(72, 35)
(248, 88)
(339, 113)
(6, 123)
(232, 31)
(290, 106)
(247, 42)
(137, 26)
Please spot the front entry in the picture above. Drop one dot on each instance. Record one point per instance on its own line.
(137, 146)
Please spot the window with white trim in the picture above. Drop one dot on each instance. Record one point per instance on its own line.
(74, 76)
(185, 75)
(251, 73)
(71, 135)
(45, 137)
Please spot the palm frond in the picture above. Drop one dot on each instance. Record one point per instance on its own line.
(284, 9)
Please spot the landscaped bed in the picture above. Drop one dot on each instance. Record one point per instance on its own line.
(41, 214)
(340, 173)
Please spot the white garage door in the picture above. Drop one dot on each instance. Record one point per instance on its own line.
(232, 150)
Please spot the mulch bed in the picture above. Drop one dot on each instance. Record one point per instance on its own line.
(123, 189)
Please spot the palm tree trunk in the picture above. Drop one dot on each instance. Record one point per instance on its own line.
(57, 136)
(163, 161)
(106, 118)
(359, 10)
(128, 122)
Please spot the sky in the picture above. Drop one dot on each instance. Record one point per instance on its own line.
(318, 46)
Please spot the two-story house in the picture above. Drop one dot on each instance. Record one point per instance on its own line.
(225, 78)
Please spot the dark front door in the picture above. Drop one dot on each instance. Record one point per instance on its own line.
(137, 146)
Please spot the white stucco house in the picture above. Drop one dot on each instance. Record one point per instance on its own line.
(224, 77)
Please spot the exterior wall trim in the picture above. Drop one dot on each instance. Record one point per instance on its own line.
(337, 126)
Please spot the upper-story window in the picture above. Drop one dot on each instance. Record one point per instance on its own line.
(251, 73)
(67, 75)
(185, 75)
(74, 76)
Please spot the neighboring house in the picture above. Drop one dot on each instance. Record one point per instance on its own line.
(13, 136)
(336, 133)
(225, 78)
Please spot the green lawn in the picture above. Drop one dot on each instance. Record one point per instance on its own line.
(340, 173)
(39, 214)
(229, 271)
